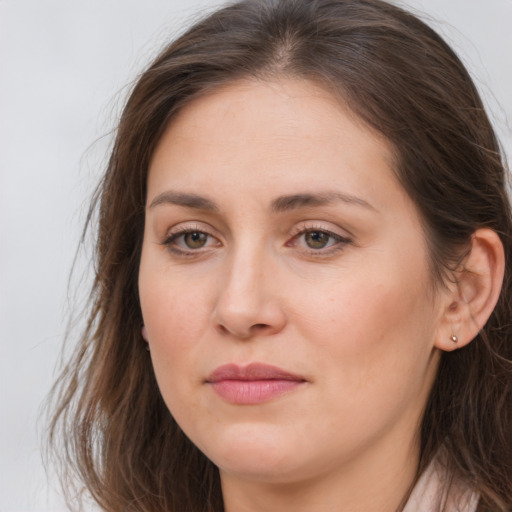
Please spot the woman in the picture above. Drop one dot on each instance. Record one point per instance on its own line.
(303, 276)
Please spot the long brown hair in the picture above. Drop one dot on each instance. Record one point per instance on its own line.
(113, 430)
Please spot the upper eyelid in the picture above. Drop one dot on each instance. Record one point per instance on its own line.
(170, 242)
(297, 229)
(340, 242)
(316, 225)
(190, 226)
(338, 237)
(173, 234)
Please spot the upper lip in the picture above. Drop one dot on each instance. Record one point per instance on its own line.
(251, 372)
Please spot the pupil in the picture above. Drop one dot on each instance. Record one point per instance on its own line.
(317, 239)
(195, 240)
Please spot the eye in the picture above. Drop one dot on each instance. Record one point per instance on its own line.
(187, 241)
(195, 239)
(318, 241)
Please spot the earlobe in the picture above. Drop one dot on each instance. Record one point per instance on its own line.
(475, 291)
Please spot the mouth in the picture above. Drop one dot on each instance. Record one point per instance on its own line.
(252, 384)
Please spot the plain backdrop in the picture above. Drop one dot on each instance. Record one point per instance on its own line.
(65, 67)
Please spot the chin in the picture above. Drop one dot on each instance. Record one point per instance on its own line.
(255, 453)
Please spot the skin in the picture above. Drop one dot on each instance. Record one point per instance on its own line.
(358, 319)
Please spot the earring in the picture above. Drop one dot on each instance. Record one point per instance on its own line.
(454, 338)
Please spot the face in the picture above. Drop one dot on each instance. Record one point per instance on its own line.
(284, 284)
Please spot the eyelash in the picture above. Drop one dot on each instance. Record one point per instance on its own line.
(339, 241)
(170, 241)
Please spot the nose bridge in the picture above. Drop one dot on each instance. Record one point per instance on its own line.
(246, 271)
(246, 301)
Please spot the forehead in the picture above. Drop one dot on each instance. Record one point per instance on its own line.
(253, 130)
(279, 110)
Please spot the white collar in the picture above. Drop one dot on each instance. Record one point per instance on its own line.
(430, 492)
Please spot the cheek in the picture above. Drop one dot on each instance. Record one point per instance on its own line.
(373, 346)
(175, 317)
(376, 326)
(173, 333)
(172, 307)
(375, 304)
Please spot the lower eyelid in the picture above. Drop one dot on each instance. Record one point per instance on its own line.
(340, 243)
(175, 243)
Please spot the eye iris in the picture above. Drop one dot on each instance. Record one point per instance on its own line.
(317, 239)
(195, 240)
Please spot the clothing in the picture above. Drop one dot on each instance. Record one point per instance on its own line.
(429, 494)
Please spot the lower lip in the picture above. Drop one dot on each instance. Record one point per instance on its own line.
(250, 392)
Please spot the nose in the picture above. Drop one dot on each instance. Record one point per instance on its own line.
(247, 304)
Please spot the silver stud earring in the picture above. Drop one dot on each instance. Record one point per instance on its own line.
(454, 338)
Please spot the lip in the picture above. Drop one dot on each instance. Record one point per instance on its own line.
(252, 384)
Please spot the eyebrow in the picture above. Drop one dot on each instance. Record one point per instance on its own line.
(183, 199)
(278, 205)
(295, 201)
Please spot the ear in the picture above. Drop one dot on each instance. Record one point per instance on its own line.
(474, 293)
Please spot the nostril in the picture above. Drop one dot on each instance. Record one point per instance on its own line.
(222, 329)
(253, 330)
(259, 328)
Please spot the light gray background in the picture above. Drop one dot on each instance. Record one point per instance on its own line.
(64, 66)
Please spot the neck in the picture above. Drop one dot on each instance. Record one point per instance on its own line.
(377, 482)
